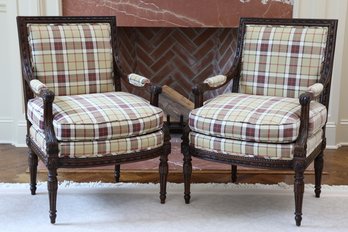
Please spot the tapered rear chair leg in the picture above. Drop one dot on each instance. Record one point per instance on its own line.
(32, 161)
(318, 169)
(117, 172)
(234, 173)
(163, 171)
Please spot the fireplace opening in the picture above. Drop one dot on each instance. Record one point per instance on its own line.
(176, 58)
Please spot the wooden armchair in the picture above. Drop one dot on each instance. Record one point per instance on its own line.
(275, 116)
(77, 115)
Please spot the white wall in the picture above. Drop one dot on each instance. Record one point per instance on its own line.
(12, 123)
(12, 120)
(337, 126)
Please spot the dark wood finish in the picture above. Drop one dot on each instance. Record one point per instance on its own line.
(300, 161)
(318, 168)
(50, 157)
(117, 172)
(234, 173)
(14, 169)
(33, 162)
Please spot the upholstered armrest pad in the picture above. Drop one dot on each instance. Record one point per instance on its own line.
(138, 80)
(215, 81)
(316, 89)
(37, 86)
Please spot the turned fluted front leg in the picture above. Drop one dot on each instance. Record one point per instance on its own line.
(52, 186)
(163, 171)
(318, 168)
(32, 161)
(187, 166)
(299, 190)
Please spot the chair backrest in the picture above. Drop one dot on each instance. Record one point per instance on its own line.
(283, 57)
(70, 55)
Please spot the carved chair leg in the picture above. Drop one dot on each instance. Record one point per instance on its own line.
(52, 186)
(298, 189)
(32, 161)
(163, 171)
(187, 176)
(234, 173)
(117, 172)
(318, 168)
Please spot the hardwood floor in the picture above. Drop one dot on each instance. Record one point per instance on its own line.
(13, 169)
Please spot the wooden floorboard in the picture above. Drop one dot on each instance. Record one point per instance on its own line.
(13, 169)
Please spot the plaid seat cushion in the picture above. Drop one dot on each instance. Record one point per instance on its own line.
(255, 118)
(281, 60)
(86, 149)
(251, 149)
(98, 116)
(72, 59)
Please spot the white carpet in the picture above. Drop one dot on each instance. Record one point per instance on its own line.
(135, 207)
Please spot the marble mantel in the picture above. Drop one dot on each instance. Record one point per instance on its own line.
(179, 13)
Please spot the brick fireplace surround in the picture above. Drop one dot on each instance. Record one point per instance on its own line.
(177, 43)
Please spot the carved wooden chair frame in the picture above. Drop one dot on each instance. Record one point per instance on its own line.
(50, 156)
(300, 161)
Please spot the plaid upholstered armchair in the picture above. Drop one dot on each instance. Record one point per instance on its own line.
(275, 116)
(76, 113)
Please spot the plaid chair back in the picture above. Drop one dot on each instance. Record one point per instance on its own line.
(72, 58)
(281, 60)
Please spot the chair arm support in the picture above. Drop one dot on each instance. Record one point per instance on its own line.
(215, 82)
(141, 81)
(155, 91)
(210, 83)
(47, 96)
(301, 142)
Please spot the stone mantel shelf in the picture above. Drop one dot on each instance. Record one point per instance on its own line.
(180, 13)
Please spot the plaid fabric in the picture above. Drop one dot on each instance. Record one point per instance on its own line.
(316, 89)
(87, 149)
(281, 60)
(250, 149)
(137, 80)
(215, 80)
(98, 116)
(255, 118)
(72, 58)
(36, 86)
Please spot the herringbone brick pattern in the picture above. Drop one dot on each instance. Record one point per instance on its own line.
(177, 57)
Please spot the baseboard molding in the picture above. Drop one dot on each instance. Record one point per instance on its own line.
(331, 135)
(6, 130)
(344, 122)
(12, 132)
(21, 134)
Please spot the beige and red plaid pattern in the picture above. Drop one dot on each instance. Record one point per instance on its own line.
(255, 118)
(95, 148)
(316, 89)
(138, 80)
(281, 60)
(98, 116)
(72, 59)
(216, 81)
(251, 149)
(37, 86)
